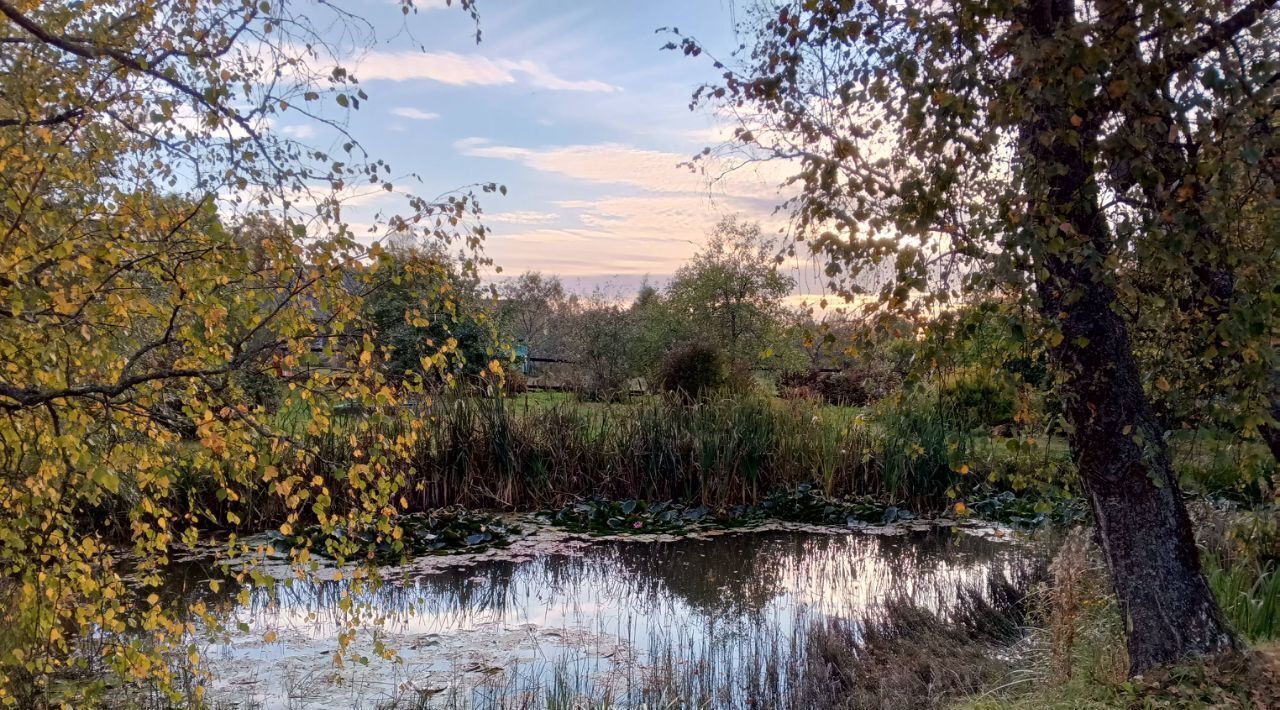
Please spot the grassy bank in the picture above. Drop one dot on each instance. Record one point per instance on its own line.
(530, 454)
(547, 451)
(1073, 656)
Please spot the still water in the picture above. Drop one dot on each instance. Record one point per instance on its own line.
(556, 620)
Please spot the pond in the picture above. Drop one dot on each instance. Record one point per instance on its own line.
(555, 619)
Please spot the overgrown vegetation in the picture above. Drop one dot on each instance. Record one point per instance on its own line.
(719, 452)
(195, 340)
(804, 504)
(1074, 658)
(693, 370)
(439, 531)
(908, 656)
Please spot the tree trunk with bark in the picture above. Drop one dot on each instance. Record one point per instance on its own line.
(1123, 461)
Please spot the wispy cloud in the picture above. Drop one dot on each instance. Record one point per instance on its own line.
(301, 132)
(648, 170)
(467, 70)
(521, 217)
(414, 113)
(579, 252)
(659, 214)
(612, 163)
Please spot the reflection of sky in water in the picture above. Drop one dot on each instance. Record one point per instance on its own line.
(711, 600)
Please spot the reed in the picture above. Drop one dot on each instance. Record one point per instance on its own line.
(527, 454)
(500, 453)
(1249, 593)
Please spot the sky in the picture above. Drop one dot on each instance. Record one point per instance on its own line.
(574, 107)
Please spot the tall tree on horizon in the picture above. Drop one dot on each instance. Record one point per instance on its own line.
(731, 291)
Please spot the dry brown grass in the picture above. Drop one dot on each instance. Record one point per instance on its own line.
(909, 657)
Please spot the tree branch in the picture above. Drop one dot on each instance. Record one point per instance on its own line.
(89, 51)
(55, 119)
(1215, 37)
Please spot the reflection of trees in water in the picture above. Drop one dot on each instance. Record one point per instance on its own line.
(727, 575)
(743, 574)
(186, 583)
(720, 579)
(726, 618)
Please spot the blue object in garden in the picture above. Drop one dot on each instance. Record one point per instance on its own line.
(522, 357)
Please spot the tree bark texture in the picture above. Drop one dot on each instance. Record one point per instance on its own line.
(1168, 609)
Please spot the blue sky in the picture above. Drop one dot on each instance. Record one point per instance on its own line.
(573, 107)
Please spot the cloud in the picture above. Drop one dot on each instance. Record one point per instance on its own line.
(658, 216)
(301, 132)
(619, 236)
(577, 253)
(649, 170)
(426, 5)
(413, 113)
(466, 70)
(611, 163)
(521, 217)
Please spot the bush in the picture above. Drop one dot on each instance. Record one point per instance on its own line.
(515, 382)
(855, 386)
(979, 398)
(739, 380)
(260, 387)
(693, 370)
(601, 387)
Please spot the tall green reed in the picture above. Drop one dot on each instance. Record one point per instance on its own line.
(506, 453)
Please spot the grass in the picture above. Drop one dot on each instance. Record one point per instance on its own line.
(1224, 465)
(543, 450)
(1249, 593)
(1074, 653)
(1246, 681)
(546, 450)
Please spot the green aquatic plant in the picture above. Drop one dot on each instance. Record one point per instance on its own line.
(442, 531)
(606, 517)
(803, 504)
(1031, 509)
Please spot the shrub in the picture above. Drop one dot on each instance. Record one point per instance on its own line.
(855, 386)
(596, 388)
(899, 355)
(862, 384)
(739, 380)
(260, 387)
(693, 370)
(515, 382)
(979, 398)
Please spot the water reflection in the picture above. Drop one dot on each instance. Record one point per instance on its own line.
(616, 618)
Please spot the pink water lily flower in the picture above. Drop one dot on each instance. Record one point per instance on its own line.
(637, 525)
